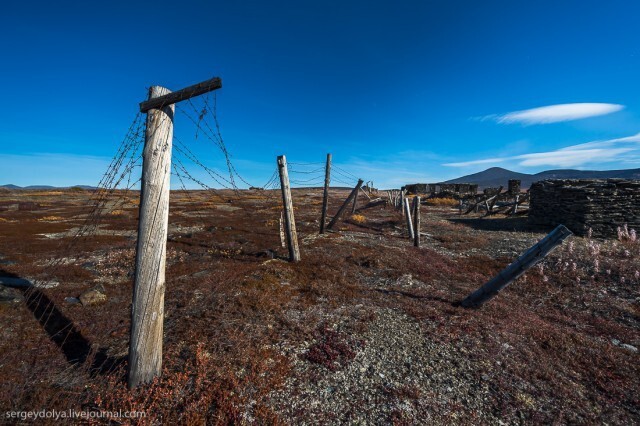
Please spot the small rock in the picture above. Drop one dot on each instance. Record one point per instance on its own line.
(629, 347)
(10, 295)
(94, 296)
(72, 300)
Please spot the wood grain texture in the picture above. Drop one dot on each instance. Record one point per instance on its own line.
(532, 256)
(325, 194)
(147, 312)
(416, 221)
(407, 216)
(170, 98)
(344, 205)
(289, 220)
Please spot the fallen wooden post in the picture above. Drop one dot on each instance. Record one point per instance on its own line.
(493, 201)
(407, 215)
(325, 194)
(532, 256)
(344, 205)
(289, 220)
(416, 221)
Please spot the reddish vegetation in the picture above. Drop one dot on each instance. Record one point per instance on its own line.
(241, 327)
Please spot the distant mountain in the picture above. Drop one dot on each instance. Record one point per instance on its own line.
(496, 176)
(45, 187)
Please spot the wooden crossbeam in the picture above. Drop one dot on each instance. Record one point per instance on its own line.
(182, 94)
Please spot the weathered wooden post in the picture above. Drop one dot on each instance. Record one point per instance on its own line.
(355, 202)
(344, 205)
(289, 220)
(493, 201)
(147, 315)
(147, 310)
(325, 195)
(403, 193)
(407, 215)
(532, 256)
(416, 221)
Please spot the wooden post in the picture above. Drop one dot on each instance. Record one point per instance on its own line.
(344, 205)
(407, 215)
(515, 205)
(401, 204)
(289, 220)
(532, 256)
(325, 195)
(147, 312)
(493, 201)
(355, 201)
(416, 221)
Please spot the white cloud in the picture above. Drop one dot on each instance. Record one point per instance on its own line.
(571, 157)
(620, 149)
(555, 113)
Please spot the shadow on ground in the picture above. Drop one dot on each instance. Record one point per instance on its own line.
(63, 332)
(515, 224)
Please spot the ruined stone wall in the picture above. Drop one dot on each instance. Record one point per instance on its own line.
(580, 204)
(437, 188)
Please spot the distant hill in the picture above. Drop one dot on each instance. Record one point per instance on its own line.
(44, 187)
(496, 176)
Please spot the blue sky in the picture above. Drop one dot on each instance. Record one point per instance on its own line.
(398, 92)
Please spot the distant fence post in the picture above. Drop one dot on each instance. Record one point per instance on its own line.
(532, 256)
(407, 215)
(344, 205)
(289, 220)
(147, 311)
(416, 221)
(325, 195)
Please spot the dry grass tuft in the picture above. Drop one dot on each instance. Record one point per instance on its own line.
(443, 202)
(358, 218)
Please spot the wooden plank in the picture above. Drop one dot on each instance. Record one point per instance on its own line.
(407, 215)
(147, 316)
(344, 205)
(416, 221)
(181, 95)
(325, 195)
(532, 256)
(289, 220)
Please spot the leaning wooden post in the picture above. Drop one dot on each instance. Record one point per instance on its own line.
(355, 203)
(532, 256)
(147, 312)
(289, 220)
(416, 221)
(407, 215)
(344, 205)
(325, 195)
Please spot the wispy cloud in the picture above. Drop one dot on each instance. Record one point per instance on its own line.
(620, 149)
(554, 113)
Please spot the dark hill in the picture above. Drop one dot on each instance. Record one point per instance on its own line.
(496, 176)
